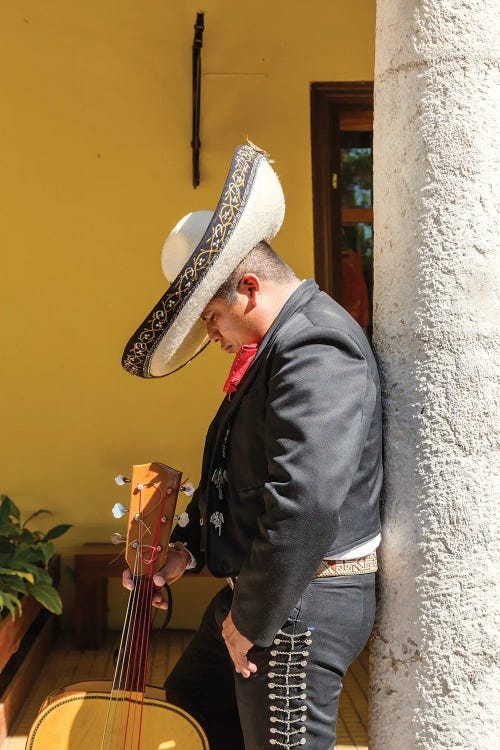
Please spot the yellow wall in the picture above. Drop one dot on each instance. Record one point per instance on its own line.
(95, 171)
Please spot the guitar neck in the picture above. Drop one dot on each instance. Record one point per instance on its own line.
(153, 494)
(131, 667)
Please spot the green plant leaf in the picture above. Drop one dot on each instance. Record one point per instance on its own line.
(56, 531)
(27, 575)
(26, 536)
(10, 603)
(8, 509)
(18, 563)
(42, 576)
(47, 550)
(28, 553)
(9, 529)
(14, 583)
(48, 597)
(37, 513)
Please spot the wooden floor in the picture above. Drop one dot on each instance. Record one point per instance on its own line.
(67, 664)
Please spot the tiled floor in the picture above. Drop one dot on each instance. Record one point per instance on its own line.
(66, 665)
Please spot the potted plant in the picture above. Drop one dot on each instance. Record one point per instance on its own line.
(24, 559)
(28, 603)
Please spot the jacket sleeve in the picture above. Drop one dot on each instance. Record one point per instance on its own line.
(190, 535)
(315, 429)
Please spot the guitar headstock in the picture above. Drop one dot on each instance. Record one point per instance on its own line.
(153, 496)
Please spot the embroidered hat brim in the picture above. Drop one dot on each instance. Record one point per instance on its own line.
(251, 208)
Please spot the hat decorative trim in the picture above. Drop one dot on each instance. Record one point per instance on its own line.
(173, 326)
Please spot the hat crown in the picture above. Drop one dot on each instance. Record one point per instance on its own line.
(182, 242)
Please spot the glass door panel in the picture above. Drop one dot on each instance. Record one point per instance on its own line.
(356, 169)
(356, 216)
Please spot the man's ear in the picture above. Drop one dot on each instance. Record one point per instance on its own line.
(250, 285)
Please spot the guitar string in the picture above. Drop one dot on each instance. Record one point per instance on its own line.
(154, 556)
(118, 675)
(142, 647)
(139, 657)
(137, 681)
(122, 711)
(122, 671)
(141, 686)
(139, 665)
(132, 653)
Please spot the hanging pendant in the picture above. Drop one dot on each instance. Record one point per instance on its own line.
(219, 479)
(217, 519)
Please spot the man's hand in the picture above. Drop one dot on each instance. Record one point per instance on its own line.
(173, 569)
(238, 647)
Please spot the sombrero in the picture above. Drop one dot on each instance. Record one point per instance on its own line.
(199, 255)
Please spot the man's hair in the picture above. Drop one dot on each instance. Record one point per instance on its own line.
(264, 263)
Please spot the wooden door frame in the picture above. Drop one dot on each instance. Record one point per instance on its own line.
(323, 96)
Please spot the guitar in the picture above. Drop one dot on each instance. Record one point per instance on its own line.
(126, 714)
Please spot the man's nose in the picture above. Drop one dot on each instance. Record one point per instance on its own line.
(213, 332)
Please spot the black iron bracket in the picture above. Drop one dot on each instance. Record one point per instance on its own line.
(195, 142)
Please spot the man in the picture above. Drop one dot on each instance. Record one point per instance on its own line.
(287, 507)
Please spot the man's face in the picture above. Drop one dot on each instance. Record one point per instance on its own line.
(229, 325)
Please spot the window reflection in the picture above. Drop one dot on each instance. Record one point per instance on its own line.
(356, 163)
(357, 271)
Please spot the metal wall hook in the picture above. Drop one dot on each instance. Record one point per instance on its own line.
(195, 141)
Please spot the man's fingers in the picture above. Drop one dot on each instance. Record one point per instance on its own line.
(246, 668)
(242, 664)
(127, 581)
(158, 580)
(238, 647)
(172, 570)
(159, 601)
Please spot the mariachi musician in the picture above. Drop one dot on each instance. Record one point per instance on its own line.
(287, 509)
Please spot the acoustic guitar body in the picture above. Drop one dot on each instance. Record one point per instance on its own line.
(76, 718)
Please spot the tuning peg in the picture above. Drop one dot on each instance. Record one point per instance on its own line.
(187, 488)
(182, 519)
(122, 479)
(117, 538)
(119, 510)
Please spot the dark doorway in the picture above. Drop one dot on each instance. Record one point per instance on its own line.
(342, 166)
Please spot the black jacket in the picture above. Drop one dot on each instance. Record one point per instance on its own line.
(292, 467)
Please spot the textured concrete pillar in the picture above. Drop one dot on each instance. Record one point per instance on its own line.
(435, 679)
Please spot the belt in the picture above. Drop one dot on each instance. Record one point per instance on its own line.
(357, 567)
(332, 568)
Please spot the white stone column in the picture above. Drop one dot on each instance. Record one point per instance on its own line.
(435, 681)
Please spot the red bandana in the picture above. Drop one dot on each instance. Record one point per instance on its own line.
(242, 361)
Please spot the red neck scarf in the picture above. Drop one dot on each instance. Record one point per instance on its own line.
(242, 361)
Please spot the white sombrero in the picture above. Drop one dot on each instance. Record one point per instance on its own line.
(199, 255)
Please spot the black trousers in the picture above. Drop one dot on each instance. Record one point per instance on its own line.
(292, 700)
